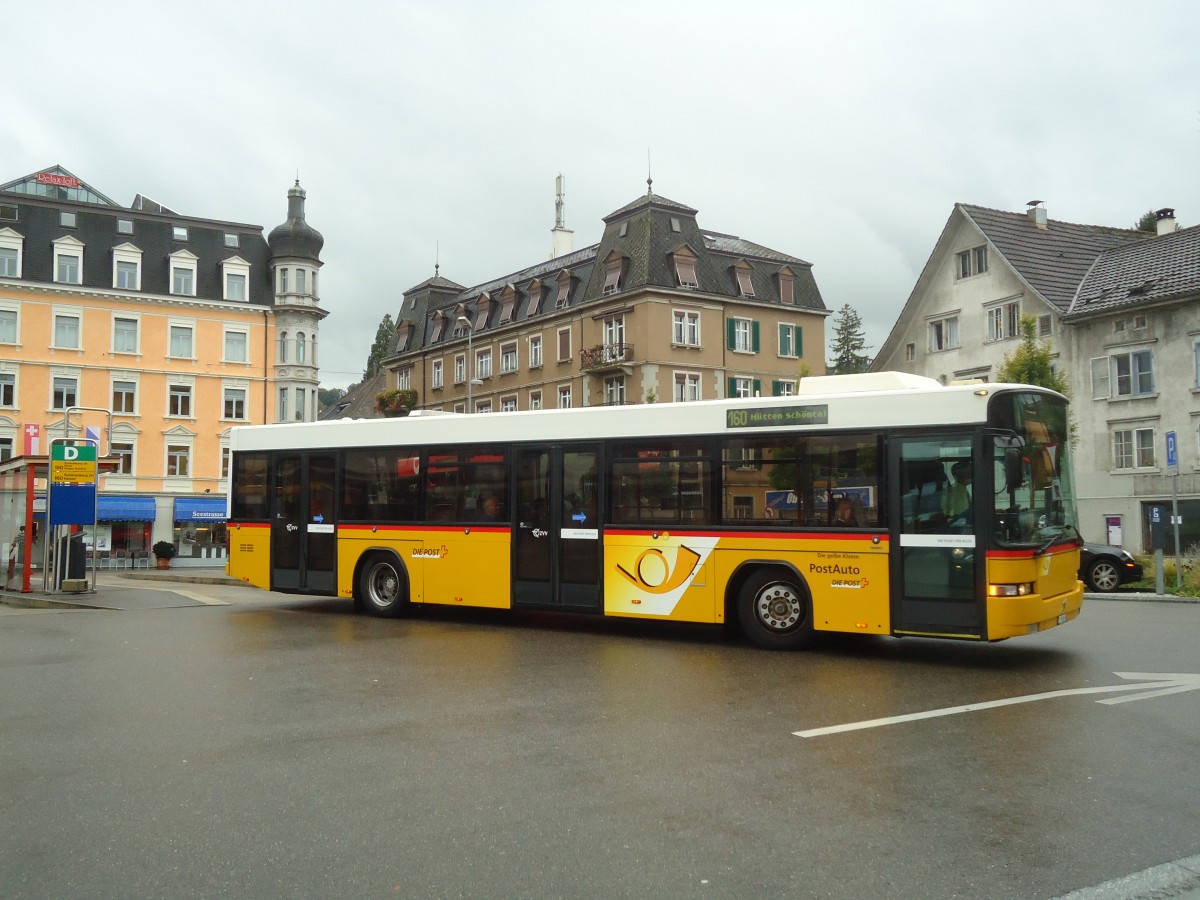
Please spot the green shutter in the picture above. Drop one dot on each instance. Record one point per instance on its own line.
(776, 388)
(800, 340)
(785, 337)
(731, 388)
(757, 388)
(754, 344)
(731, 334)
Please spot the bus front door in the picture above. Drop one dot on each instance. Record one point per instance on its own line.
(303, 530)
(556, 534)
(937, 591)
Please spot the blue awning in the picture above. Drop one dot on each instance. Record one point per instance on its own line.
(124, 509)
(200, 509)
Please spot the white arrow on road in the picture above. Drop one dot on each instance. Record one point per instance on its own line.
(1163, 683)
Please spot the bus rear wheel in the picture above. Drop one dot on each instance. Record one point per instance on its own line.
(775, 611)
(381, 589)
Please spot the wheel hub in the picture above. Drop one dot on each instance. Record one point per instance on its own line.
(779, 608)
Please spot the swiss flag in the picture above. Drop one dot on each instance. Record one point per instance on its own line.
(33, 440)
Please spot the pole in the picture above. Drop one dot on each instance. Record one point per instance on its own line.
(1175, 522)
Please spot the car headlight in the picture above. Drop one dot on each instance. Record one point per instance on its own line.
(1010, 590)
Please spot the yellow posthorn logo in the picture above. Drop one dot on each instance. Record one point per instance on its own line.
(660, 578)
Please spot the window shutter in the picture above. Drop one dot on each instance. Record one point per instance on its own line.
(754, 342)
(776, 388)
(731, 387)
(730, 334)
(1100, 378)
(800, 340)
(757, 388)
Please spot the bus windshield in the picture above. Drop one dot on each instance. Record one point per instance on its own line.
(1032, 477)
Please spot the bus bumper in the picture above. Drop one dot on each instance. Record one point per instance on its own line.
(1016, 616)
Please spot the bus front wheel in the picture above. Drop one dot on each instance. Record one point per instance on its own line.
(382, 590)
(775, 612)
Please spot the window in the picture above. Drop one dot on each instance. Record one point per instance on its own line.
(179, 400)
(124, 397)
(743, 335)
(508, 304)
(124, 226)
(660, 481)
(124, 454)
(1133, 448)
(8, 212)
(791, 340)
(125, 335)
(508, 358)
(535, 352)
(66, 219)
(685, 269)
(508, 404)
(178, 459)
(685, 328)
(8, 326)
(301, 347)
(226, 461)
(283, 405)
(564, 397)
(943, 334)
(301, 281)
(283, 347)
(744, 284)
(179, 233)
(687, 386)
(67, 267)
(8, 389)
(612, 273)
(235, 403)
(235, 286)
(483, 406)
(301, 402)
(127, 276)
(66, 331)
(537, 291)
(8, 263)
(563, 297)
(236, 346)
(535, 399)
(1045, 326)
(744, 387)
(460, 368)
(65, 392)
(11, 245)
(404, 379)
(614, 391)
(783, 388)
(483, 363)
(614, 338)
(743, 508)
(564, 344)
(1195, 353)
(910, 351)
(183, 280)
(283, 281)
(6, 448)
(436, 376)
(787, 286)
(1134, 374)
(1004, 321)
(231, 239)
(180, 342)
(972, 262)
(674, 223)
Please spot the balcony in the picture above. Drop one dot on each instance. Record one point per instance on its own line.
(606, 358)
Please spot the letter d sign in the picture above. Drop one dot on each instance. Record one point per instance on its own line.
(70, 453)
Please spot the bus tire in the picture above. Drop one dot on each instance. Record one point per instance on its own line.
(382, 588)
(775, 610)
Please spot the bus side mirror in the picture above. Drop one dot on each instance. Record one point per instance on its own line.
(1014, 475)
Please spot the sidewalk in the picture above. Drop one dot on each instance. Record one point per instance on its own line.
(114, 590)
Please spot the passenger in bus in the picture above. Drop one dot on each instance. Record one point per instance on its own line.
(489, 508)
(845, 516)
(956, 502)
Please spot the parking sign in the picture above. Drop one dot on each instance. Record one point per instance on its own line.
(1172, 454)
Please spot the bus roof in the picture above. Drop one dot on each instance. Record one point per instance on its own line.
(881, 401)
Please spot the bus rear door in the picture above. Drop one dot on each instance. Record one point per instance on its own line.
(303, 529)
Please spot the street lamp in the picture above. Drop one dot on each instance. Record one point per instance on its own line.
(471, 379)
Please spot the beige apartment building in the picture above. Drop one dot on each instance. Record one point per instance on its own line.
(658, 310)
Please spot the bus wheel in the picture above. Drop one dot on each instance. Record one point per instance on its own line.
(381, 589)
(775, 612)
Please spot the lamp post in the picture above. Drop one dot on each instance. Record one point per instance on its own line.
(471, 379)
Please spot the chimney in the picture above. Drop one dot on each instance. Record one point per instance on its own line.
(563, 237)
(1037, 213)
(1166, 221)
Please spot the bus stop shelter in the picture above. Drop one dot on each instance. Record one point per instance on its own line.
(20, 480)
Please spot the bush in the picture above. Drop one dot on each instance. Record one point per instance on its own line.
(163, 550)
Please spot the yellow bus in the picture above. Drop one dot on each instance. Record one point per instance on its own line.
(884, 504)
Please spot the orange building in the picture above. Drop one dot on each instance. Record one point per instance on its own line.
(156, 333)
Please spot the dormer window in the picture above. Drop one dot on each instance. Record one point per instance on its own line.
(235, 278)
(536, 290)
(745, 286)
(685, 269)
(509, 300)
(612, 273)
(439, 326)
(787, 286)
(183, 273)
(564, 287)
(179, 233)
(484, 309)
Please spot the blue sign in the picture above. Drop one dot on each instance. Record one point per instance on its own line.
(1172, 452)
(580, 517)
(1156, 515)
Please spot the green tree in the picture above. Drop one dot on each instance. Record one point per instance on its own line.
(849, 342)
(385, 337)
(1032, 362)
(326, 397)
(1148, 222)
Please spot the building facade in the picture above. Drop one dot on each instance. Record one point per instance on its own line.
(159, 332)
(1106, 300)
(659, 310)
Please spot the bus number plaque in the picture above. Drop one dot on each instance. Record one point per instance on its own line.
(771, 416)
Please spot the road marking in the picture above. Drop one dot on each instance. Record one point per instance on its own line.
(1164, 683)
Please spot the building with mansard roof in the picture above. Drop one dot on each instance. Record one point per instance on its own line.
(1120, 311)
(172, 327)
(660, 309)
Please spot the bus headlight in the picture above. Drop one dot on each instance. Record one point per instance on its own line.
(1010, 590)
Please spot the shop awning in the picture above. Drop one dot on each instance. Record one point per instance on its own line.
(111, 508)
(200, 509)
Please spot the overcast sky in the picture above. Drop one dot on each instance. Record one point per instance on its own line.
(841, 132)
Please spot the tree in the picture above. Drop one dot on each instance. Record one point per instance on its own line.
(385, 337)
(848, 344)
(1148, 222)
(326, 397)
(1032, 362)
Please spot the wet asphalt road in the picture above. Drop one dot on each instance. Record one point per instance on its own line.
(279, 746)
